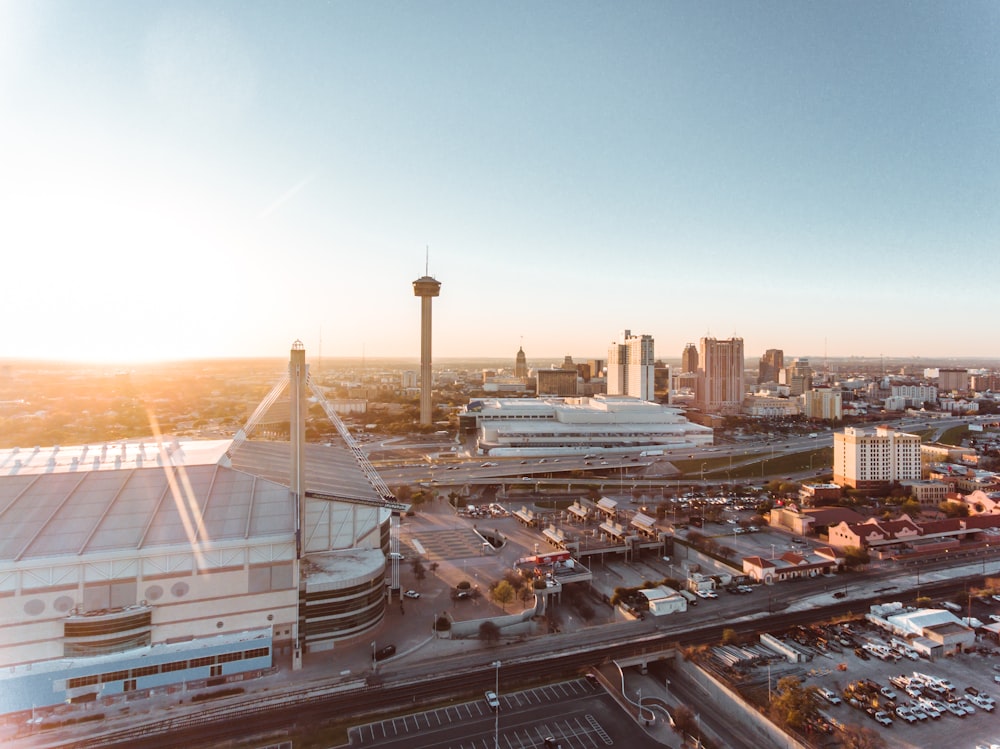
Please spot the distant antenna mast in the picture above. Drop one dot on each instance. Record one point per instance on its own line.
(427, 260)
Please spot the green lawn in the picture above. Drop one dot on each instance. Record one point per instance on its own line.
(955, 435)
(761, 465)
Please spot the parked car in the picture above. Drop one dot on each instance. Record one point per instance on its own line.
(387, 652)
(829, 695)
(411, 594)
(492, 700)
(883, 718)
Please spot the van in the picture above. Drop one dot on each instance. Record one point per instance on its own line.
(951, 606)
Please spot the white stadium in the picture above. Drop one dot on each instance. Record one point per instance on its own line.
(133, 566)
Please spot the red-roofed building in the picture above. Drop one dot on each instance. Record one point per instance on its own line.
(793, 564)
(874, 533)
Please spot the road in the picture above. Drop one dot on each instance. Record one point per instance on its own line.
(301, 708)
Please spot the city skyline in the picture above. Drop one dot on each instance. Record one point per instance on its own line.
(189, 182)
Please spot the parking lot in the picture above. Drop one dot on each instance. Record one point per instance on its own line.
(974, 669)
(575, 713)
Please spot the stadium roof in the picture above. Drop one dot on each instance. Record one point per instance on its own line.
(84, 512)
(133, 495)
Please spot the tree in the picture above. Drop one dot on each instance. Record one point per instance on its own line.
(442, 624)
(794, 704)
(525, 594)
(954, 509)
(403, 493)
(489, 632)
(855, 556)
(854, 736)
(910, 506)
(729, 636)
(418, 569)
(503, 593)
(684, 720)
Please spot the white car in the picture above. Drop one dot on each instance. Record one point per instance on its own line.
(882, 718)
(829, 695)
(411, 594)
(995, 617)
(982, 701)
(492, 700)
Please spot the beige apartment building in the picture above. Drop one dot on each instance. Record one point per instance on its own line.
(871, 459)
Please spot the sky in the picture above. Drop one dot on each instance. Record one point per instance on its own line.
(199, 180)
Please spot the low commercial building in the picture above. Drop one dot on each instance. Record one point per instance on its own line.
(567, 426)
(792, 565)
(664, 600)
(928, 493)
(932, 632)
(905, 533)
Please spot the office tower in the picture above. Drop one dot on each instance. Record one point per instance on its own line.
(631, 366)
(521, 364)
(560, 382)
(689, 359)
(771, 363)
(823, 403)
(597, 367)
(872, 459)
(426, 288)
(798, 376)
(721, 375)
(951, 379)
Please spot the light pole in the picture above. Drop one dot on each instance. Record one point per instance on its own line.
(373, 655)
(703, 476)
(496, 717)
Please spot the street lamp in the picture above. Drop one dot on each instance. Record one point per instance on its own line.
(373, 655)
(702, 475)
(496, 717)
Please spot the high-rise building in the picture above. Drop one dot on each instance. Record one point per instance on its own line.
(952, 379)
(521, 365)
(771, 363)
(426, 288)
(872, 459)
(823, 403)
(721, 375)
(556, 381)
(631, 366)
(798, 376)
(689, 359)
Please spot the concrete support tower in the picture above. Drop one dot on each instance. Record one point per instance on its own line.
(297, 373)
(426, 288)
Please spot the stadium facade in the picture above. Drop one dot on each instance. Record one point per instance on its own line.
(150, 565)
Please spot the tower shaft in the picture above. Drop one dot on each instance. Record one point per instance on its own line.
(426, 288)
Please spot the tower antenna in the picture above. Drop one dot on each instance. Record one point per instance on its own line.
(427, 260)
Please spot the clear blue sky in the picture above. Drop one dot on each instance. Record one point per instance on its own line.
(184, 180)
